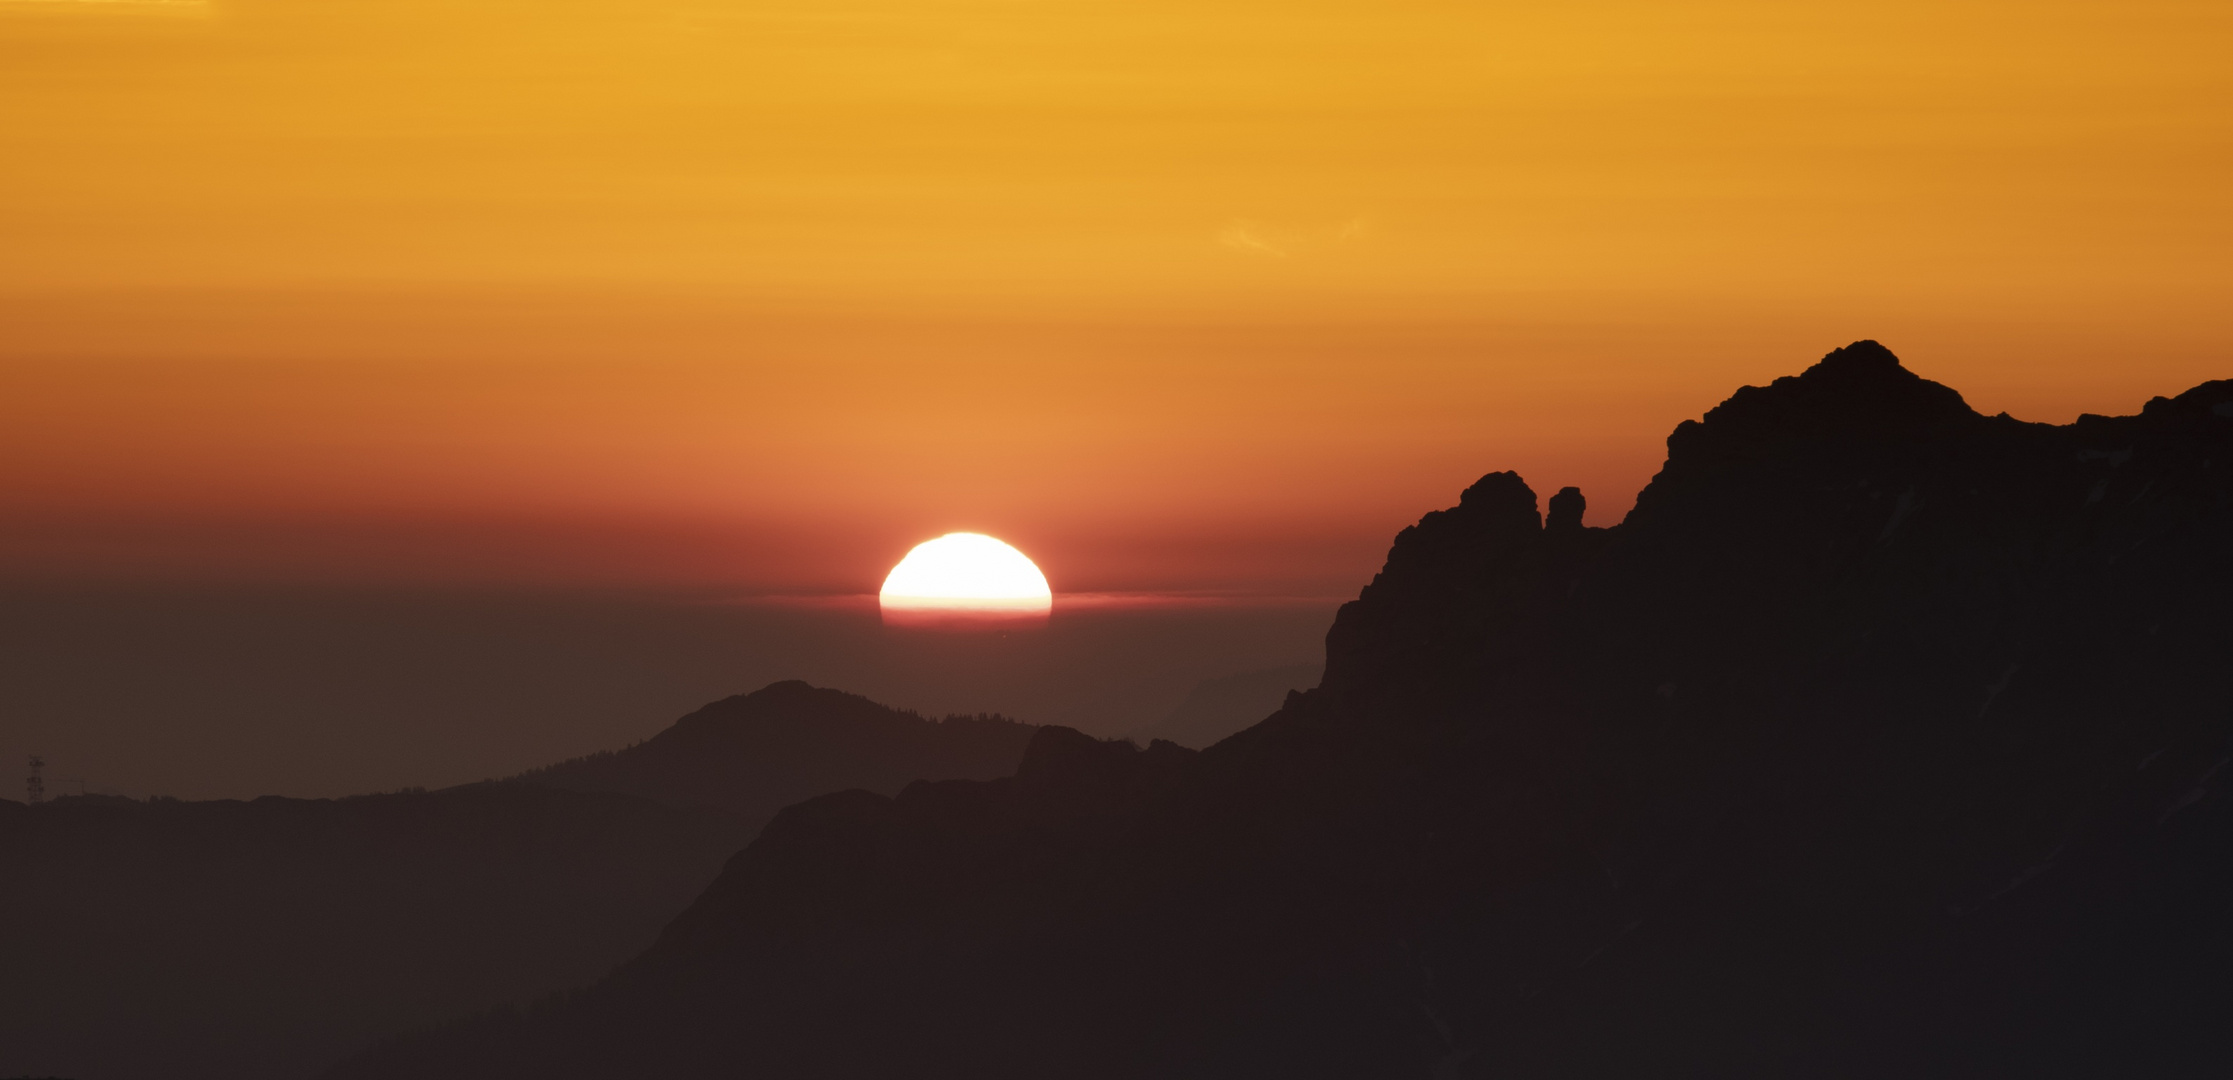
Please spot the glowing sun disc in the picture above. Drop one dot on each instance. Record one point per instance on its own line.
(965, 576)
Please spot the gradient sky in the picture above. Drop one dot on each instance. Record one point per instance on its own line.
(1201, 295)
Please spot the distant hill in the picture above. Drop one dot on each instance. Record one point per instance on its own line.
(1218, 707)
(1882, 739)
(751, 755)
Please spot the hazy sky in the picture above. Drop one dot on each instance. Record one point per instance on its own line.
(1173, 295)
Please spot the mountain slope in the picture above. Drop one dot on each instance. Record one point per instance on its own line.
(1218, 707)
(1882, 739)
(753, 754)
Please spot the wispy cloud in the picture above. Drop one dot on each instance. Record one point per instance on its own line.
(1252, 238)
(1241, 236)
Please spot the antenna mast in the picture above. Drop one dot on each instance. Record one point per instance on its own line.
(35, 786)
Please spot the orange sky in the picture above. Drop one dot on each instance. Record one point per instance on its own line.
(1173, 295)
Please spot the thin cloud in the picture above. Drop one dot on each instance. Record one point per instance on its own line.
(1240, 236)
(1254, 239)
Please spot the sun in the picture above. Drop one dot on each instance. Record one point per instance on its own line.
(965, 578)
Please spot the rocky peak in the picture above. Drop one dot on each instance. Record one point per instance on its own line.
(1854, 403)
(1456, 576)
(1566, 511)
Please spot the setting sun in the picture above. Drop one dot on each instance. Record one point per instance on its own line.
(965, 577)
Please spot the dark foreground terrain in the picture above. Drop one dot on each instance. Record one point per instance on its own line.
(242, 940)
(1882, 739)
(265, 938)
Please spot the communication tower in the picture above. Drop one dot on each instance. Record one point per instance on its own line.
(35, 787)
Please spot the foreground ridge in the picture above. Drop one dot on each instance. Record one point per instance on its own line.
(1883, 738)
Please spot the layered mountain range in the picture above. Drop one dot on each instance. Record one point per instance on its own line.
(266, 938)
(1883, 738)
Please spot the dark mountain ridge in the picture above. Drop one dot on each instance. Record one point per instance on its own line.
(1881, 739)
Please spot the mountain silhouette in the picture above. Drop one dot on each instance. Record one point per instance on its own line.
(1881, 739)
(233, 939)
(1218, 707)
(753, 754)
